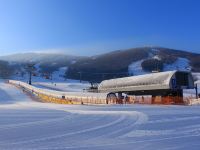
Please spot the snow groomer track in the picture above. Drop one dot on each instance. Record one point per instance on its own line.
(30, 125)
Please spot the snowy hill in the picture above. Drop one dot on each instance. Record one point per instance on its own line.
(118, 63)
(182, 64)
(134, 61)
(44, 63)
(39, 58)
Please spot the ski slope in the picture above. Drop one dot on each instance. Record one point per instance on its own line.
(181, 64)
(29, 125)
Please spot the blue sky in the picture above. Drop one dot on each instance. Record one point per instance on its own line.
(89, 27)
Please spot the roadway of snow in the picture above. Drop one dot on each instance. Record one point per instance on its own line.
(26, 124)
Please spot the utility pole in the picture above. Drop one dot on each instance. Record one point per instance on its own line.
(30, 77)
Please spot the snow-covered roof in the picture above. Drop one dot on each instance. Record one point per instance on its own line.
(153, 81)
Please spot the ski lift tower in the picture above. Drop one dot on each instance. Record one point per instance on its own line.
(30, 70)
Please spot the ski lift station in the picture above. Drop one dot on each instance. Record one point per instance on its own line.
(155, 88)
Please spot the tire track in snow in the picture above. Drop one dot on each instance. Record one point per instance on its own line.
(131, 122)
(19, 125)
(135, 117)
(121, 118)
(117, 143)
(66, 134)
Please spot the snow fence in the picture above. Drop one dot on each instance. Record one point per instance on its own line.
(59, 97)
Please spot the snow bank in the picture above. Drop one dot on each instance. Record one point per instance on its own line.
(77, 96)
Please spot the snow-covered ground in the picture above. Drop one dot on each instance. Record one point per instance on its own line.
(67, 86)
(135, 68)
(59, 74)
(57, 83)
(27, 124)
(181, 64)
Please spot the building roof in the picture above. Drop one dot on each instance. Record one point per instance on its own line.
(152, 81)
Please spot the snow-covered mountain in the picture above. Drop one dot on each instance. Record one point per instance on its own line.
(134, 61)
(44, 63)
(38, 57)
(118, 63)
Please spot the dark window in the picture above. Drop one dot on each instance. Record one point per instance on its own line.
(182, 79)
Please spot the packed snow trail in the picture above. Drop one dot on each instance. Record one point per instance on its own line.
(26, 124)
(10, 94)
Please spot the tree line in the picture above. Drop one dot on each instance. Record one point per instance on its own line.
(6, 70)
